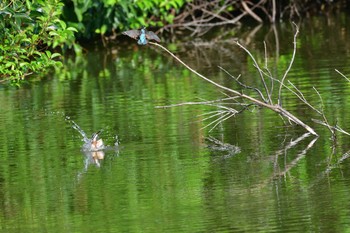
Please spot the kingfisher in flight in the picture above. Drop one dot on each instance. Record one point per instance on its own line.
(142, 35)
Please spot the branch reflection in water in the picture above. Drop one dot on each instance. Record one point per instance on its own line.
(281, 172)
(299, 156)
(217, 147)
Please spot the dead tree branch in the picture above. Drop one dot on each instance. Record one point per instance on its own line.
(262, 103)
(325, 122)
(250, 12)
(199, 16)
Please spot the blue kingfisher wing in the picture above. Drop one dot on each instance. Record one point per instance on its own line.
(152, 36)
(132, 33)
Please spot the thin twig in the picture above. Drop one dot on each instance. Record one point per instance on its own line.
(243, 85)
(300, 95)
(267, 70)
(250, 12)
(290, 64)
(323, 115)
(222, 120)
(197, 103)
(337, 128)
(259, 70)
(342, 75)
(214, 115)
(216, 122)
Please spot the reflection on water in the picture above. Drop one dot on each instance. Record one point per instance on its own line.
(217, 146)
(262, 175)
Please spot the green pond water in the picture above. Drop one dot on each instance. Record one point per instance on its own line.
(165, 176)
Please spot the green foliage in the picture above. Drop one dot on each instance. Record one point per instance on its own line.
(29, 28)
(103, 17)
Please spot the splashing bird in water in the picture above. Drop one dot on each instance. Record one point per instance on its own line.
(142, 35)
(96, 143)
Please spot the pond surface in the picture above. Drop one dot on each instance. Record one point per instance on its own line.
(165, 176)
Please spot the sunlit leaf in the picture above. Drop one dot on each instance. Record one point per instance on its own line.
(53, 33)
(48, 53)
(55, 55)
(72, 29)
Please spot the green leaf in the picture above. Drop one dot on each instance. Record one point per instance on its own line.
(8, 64)
(26, 40)
(55, 55)
(53, 33)
(29, 4)
(48, 53)
(103, 29)
(22, 16)
(23, 64)
(37, 53)
(63, 24)
(72, 29)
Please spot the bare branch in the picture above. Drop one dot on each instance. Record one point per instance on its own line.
(342, 75)
(197, 103)
(336, 127)
(322, 111)
(243, 85)
(290, 64)
(300, 95)
(259, 70)
(250, 12)
(276, 108)
(222, 120)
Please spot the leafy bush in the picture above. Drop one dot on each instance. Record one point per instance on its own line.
(104, 16)
(28, 29)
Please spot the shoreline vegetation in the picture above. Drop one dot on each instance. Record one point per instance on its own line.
(35, 33)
